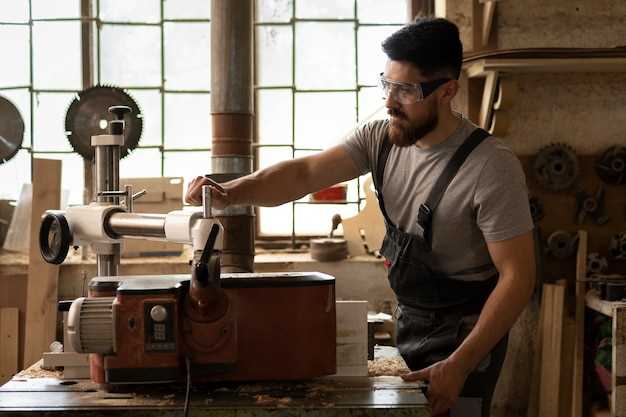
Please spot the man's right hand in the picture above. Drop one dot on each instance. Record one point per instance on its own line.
(219, 199)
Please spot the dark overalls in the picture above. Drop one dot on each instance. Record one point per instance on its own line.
(436, 313)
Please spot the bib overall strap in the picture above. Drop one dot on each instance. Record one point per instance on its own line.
(383, 155)
(427, 209)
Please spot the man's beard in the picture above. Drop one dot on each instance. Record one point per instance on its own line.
(404, 133)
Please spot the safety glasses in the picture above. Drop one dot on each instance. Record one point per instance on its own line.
(408, 93)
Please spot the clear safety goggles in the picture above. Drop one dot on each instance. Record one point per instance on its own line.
(408, 93)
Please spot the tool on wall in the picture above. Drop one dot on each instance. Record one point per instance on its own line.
(11, 130)
(561, 244)
(596, 264)
(204, 325)
(536, 209)
(611, 166)
(555, 167)
(617, 246)
(588, 205)
(88, 115)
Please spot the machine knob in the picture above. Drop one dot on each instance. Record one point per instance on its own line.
(158, 313)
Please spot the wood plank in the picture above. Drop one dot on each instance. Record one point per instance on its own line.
(618, 374)
(482, 67)
(489, 9)
(489, 94)
(9, 343)
(579, 337)
(593, 301)
(41, 293)
(535, 381)
(549, 400)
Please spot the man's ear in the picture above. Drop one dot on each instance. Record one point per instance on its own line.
(448, 91)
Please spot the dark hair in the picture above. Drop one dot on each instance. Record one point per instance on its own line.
(431, 44)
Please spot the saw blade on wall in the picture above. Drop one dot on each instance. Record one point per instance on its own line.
(11, 130)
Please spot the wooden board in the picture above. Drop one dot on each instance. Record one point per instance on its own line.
(9, 343)
(579, 336)
(41, 292)
(554, 302)
(369, 220)
(19, 228)
(351, 338)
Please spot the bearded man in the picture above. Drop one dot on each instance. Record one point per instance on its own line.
(459, 245)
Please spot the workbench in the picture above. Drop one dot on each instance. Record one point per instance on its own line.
(44, 395)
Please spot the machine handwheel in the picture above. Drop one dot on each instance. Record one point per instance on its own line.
(55, 238)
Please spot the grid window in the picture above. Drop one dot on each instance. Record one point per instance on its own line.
(316, 69)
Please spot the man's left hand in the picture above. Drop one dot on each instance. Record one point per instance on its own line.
(445, 382)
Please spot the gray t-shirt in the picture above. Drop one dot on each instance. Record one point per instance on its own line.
(486, 201)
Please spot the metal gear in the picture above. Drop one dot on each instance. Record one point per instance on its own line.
(596, 264)
(611, 166)
(617, 246)
(88, 116)
(561, 244)
(555, 167)
(11, 130)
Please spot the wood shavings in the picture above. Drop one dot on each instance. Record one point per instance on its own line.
(392, 366)
(36, 371)
(268, 400)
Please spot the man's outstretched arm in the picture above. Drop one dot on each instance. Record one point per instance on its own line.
(515, 261)
(280, 183)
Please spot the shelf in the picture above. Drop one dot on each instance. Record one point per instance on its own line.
(607, 308)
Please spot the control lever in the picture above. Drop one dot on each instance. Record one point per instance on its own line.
(206, 268)
(128, 195)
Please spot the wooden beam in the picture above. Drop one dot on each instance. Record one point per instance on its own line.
(483, 67)
(489, 9)
(553, 302)
(579, 337)
(41, 292)
(489, 94)
(9, 342)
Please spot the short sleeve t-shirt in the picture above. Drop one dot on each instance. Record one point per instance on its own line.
(486, 201)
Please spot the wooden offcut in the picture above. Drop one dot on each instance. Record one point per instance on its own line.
(579, 337)
(9, 342)
(41, 292)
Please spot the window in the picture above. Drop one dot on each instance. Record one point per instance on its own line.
(316, 68)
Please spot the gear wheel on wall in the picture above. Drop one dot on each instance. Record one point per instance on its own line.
(617, 246)
(611, 166)
(561, 244)
(11, 130)
(88, 115)
(555, 167)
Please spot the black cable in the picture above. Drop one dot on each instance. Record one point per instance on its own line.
(188, 393)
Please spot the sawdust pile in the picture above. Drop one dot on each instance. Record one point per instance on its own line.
(393, 366)
(36, 371)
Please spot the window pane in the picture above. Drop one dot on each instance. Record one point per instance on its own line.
(316, 219)
(14, 173)
(49, 116)
(371, 104)
(187, 9)
(274, 116)
(274, 55)
(274, 10)
(188, 121)
(372, 59)
(141, 163)
(187, 165)
(273, 155)
(323, 119)
(187, 56)
(55, 9)
(376, 11)
(21, 100)
(72, 179)
(325, 9)
(15, 56)
(18, 12)
(275, 221)
(146, 11)
(131, 55)
(149, 102)
(52, 41)
(325, 55)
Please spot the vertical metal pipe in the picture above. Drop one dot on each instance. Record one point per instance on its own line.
(108, 179)
(232, 110)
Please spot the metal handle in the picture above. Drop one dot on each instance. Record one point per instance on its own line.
(128, 195)
(206, 202)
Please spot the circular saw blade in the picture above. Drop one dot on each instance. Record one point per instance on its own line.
(88, 115)
(11, 130)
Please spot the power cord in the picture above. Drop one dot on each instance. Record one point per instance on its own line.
(188, 393)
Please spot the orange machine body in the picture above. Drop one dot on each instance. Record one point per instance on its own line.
(268, 327)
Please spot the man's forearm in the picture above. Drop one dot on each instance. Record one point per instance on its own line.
(499, 313)
(269, 187)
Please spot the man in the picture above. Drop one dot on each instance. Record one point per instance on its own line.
(461, 261)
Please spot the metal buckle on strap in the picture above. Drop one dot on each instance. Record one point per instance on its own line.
(424, 222)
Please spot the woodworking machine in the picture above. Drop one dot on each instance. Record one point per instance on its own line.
(211, 326)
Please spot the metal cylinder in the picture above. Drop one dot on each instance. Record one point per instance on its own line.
(108, 265)
(137, 225)
(232, 118)
(107, 172)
